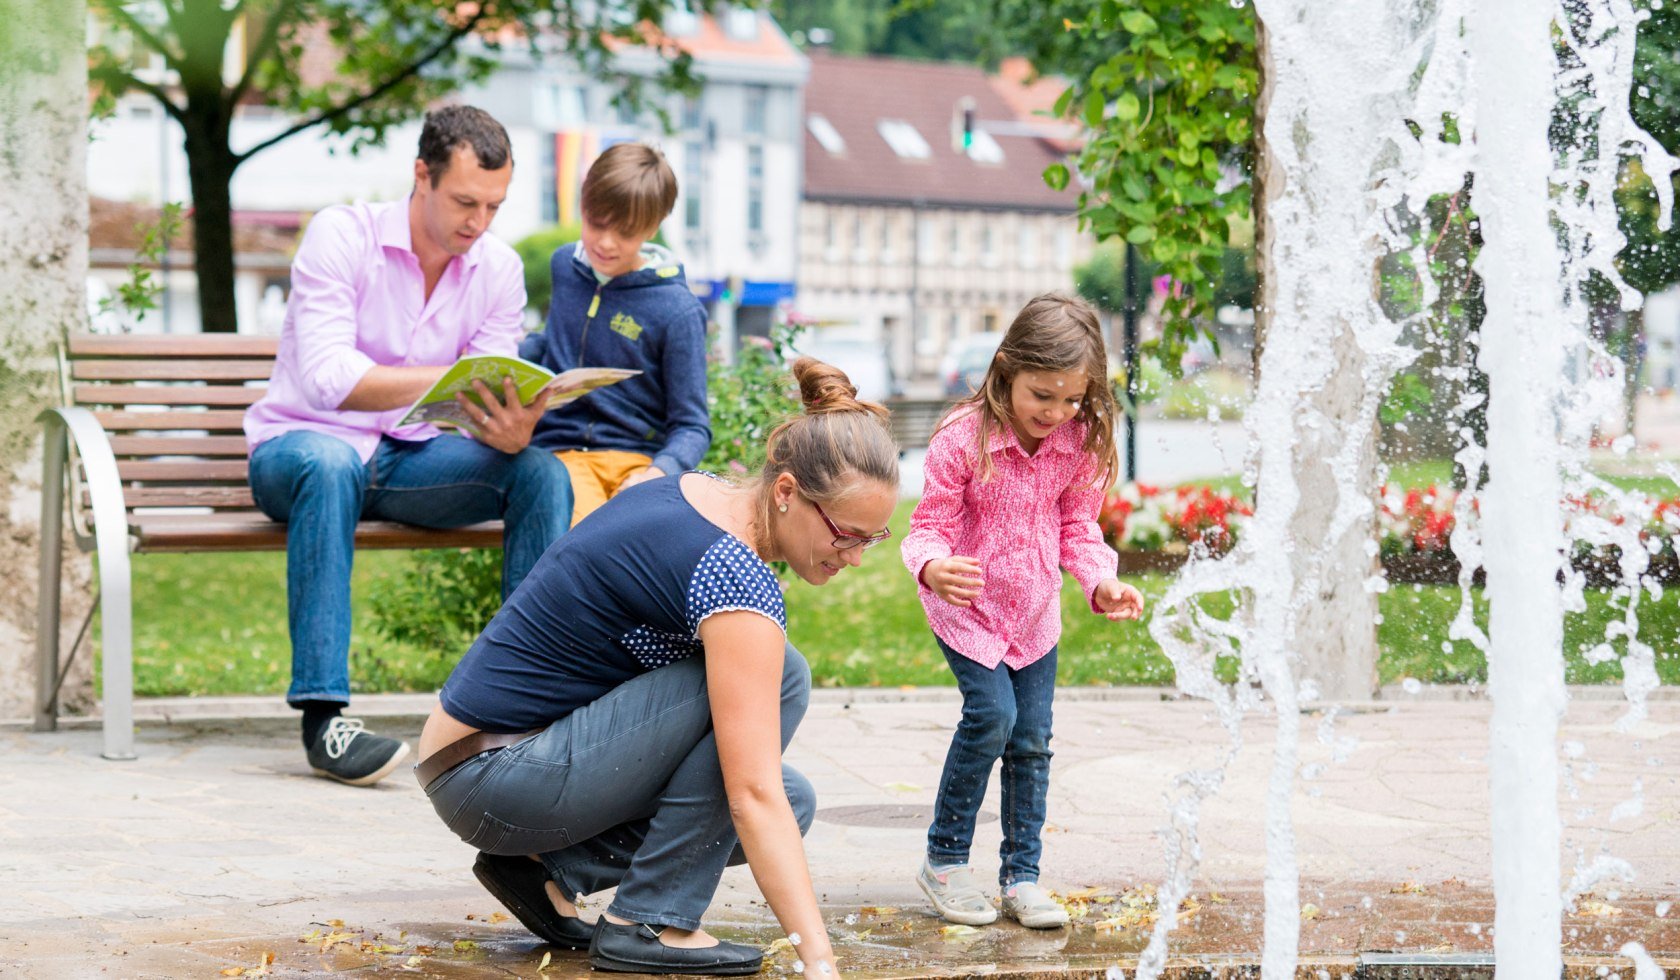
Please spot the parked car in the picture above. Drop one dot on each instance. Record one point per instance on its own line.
(864, 361)
(966, 362)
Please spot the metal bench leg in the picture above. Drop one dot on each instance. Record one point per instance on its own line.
(116, 645)
(52, 565)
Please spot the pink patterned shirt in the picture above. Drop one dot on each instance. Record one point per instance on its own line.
(1034, 514)
(359, 299)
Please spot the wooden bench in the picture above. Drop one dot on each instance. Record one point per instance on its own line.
(147, 454)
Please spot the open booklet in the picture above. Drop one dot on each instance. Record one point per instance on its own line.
(439, 407)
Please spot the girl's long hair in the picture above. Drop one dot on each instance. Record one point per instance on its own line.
(1053, 332)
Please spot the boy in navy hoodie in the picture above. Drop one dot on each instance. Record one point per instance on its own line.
(622, 302)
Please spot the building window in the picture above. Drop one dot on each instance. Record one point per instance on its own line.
(693, 182)
(692, 117)
(984, 149)
(831, 233)
(857, 236)
(887, 234)
(1027, 244)
(988, 244)
(955, 250)
(758, 99)
(955, 329)
(926, 239)
(549, 190)
(825, 134)
(755, 189)
(904, 139)
(1064, 248)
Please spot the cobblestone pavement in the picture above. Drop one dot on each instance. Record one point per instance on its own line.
(217, 849)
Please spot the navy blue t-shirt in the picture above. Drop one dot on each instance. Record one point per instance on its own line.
(619, 595)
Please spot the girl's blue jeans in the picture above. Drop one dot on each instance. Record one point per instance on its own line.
(625, 791)
(1005, 715)
(319, 487)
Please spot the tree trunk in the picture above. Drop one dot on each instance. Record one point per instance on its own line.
(210, 167)
(43, 270)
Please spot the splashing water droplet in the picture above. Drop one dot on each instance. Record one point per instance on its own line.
(1412, 685)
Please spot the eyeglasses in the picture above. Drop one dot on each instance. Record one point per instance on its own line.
(845, 539)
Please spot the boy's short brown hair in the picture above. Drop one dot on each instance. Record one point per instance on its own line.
(630, 189)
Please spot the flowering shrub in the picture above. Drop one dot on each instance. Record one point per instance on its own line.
(1139, 517)
(1415, 521)
(1143, 517)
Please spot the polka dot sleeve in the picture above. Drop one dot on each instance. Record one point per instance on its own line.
(730, 577)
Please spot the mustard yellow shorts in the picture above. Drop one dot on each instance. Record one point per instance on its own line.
(597, 474)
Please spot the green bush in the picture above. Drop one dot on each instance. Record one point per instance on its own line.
(535, 250)
(747, 399)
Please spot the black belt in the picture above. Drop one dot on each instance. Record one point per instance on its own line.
(432, 766)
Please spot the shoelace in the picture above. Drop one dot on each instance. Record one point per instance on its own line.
(340, 733)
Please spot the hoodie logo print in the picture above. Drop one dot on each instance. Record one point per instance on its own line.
(623, 324)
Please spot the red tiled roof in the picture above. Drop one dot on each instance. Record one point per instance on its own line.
(115, 226)
(855, 94)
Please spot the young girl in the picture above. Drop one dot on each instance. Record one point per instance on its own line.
(1015, 476)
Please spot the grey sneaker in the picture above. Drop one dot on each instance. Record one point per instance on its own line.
(351, 754)
(956, 896)
(1033, 907)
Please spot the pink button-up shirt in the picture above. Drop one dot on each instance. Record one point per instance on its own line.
(1033, 514)
(359, 299)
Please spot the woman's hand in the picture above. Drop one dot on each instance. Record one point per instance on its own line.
(1117, 600)
(956, 579)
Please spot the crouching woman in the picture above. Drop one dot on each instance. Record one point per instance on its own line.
(621, 720)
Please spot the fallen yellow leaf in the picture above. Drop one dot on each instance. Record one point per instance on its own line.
(959, 933)
(1309, 912)
(1598, 908)
(1408, 888)
(464, 945)
(233, 971)
(547, 959)
(878, 910)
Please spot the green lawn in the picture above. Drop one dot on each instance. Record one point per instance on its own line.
(216, 624)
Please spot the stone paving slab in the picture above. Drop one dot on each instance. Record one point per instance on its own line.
(217, 847)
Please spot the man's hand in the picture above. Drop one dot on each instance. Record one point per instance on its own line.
(506, 424)
(1117, 600)
(642, 475)
(956, 579)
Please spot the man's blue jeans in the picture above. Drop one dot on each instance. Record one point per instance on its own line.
(1005, 714)
(319, 487)
(625, 791)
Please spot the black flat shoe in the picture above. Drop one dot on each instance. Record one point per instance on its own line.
(517, 882)
(636, 949)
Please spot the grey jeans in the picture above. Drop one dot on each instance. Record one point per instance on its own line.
(624, 791)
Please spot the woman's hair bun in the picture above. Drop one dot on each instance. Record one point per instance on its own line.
(825, 388)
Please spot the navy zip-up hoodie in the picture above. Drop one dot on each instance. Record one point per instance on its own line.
(645, 319)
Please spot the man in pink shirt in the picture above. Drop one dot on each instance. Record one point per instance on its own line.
(385, 297)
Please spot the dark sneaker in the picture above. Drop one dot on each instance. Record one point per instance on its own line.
(351, 754)
(636, 949)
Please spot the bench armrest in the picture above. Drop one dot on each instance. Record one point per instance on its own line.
(89, 442)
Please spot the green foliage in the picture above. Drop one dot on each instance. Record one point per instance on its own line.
(1165, 92)
(935, 30)
(747, 399)
(535, 250)
(138, 295)
(441, 601)
(1651, 260)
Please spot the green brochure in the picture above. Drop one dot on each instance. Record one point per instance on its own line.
(439, 406)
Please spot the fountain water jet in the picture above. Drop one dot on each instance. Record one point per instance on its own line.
(1340, 168)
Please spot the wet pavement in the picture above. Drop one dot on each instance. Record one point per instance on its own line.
(216, 853)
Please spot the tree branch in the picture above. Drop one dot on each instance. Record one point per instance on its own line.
(155, 91)
(265, 44)
(140, 31)
(361, 100)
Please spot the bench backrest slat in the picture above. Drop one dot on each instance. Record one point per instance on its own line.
(179, 446)
(171, 369)
(201, 471)
(86, 345)
(210, 421)
(220, 498)
(166, 394)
